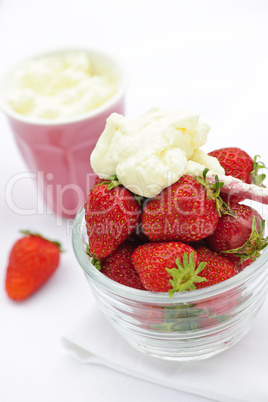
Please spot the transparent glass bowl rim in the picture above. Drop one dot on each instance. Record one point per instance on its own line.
(240, 279)
(118, 65)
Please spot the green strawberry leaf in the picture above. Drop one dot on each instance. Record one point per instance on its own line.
(185, 275)
(114, 182)
(213, 193)
(257, 178)
(29, 233)
(138, 198)
(254, 245)
(94, 261)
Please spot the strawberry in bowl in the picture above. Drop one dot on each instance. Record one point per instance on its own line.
(158, 193)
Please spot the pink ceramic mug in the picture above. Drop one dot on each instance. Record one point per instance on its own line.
(58, 151)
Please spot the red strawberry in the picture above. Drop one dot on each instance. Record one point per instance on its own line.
(32, 261)
(98, 180)
(167, 266)
(239, 238)
(111, 214)
(186, 211)
(237, 163)
(241, 264)
(118, 266)
(216, 308)
(217, 269)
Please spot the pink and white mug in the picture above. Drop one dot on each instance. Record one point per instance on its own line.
(58, 150)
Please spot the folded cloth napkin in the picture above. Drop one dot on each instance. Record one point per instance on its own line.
(237, 374)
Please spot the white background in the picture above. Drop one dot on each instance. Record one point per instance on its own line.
(204, 56)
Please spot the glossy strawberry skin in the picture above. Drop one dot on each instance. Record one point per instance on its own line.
(118, 266)
(111, 217)
(98, 181)
(236, 162)
(181, 212)
(231, 232)
(152, 259)
(241, 265)
(217, 269)
(32, 261)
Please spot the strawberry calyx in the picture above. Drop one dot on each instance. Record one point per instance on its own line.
(185, 275)
(254, 245)
(213, 193)
(114, 182)
(94, 261)
(257, 178)
(29, 233)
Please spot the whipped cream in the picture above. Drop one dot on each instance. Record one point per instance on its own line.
(151, 152)
(60, 85)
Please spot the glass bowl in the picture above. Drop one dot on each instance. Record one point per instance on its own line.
(193, 325)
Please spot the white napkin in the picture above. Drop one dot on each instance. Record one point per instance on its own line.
(237, 374)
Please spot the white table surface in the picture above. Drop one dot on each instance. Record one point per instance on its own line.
(204, 56)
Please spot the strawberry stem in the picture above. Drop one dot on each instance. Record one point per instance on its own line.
(213, 193)
(29, 233)
(94, 261)
(257, 178)
(185, 275)
(254, 245)
(114, 182)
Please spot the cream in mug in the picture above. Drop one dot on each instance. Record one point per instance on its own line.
(60, 85)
